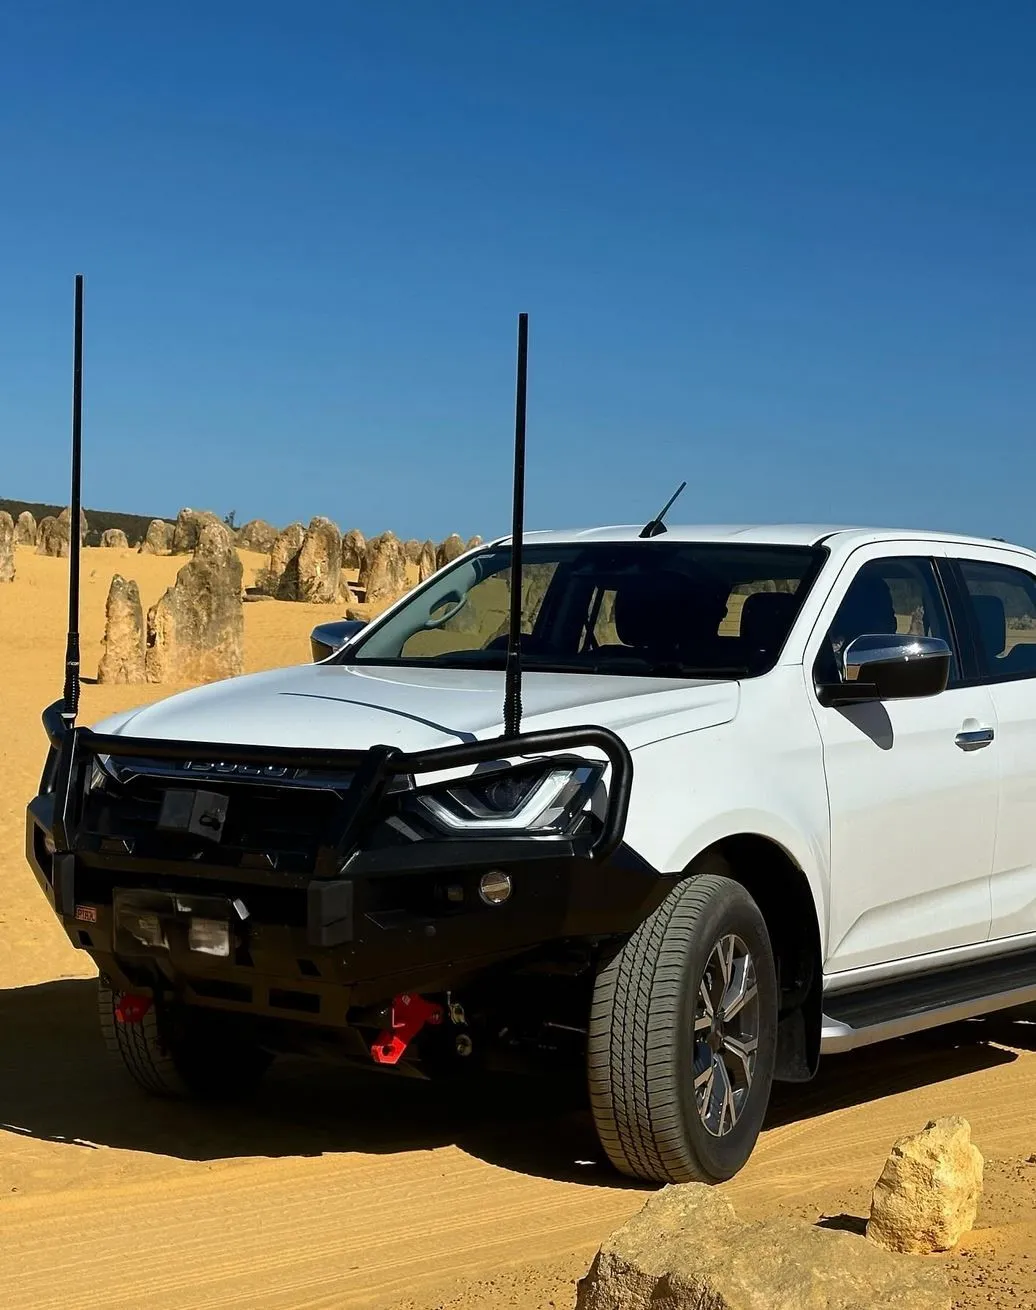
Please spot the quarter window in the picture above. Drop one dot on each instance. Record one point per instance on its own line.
(1003, 610)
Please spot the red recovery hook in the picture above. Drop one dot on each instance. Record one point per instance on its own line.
(130, 1008)
(408, 1015)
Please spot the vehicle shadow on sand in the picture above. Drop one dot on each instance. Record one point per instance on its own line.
(58, 1084)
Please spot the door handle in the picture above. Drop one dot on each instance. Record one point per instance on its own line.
(974, 738)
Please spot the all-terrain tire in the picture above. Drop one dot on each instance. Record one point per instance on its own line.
(189, 1055)
(642, 1045)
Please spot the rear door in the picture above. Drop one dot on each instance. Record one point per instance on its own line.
(999, 593)
(912, 784)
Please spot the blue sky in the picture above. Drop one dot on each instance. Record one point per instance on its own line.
(785, 251)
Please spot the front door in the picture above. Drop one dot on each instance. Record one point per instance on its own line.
(912, 784)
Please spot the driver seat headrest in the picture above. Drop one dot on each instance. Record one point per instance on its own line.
(664, 609)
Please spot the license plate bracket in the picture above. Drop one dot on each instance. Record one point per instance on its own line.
(203, 813)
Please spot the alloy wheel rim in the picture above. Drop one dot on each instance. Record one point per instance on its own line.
(726, 1034)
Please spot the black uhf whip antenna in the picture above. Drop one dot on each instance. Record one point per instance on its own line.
(71, 698)
(513, 668)
(657, 526)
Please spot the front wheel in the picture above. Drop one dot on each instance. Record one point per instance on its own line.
(682, 1036)
(183, 1054)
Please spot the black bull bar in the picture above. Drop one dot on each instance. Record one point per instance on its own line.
(372, 772)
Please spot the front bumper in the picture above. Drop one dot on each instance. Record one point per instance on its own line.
(333, 920)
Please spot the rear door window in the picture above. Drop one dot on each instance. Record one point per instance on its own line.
(1003, 613)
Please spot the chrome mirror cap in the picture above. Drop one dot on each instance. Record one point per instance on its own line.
(862, 653)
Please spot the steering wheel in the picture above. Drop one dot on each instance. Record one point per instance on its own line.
(443, 619)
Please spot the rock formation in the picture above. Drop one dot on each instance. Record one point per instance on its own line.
(158, 539)
(114, 539)
(383, 575)
(927, 1195)
(6, 547)
(123, 657)
(195, 632)
(281, 576)
(25, 529)
(354, 549)
(52, 537)
(412, 549)
(448, 550)
(214, 538)
(687, 1250)
(188, 526)
(426, 561)
(475, 541)
(319, 566)
(258, 535)
(65, 517)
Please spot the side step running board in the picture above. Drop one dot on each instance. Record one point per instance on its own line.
(926, 1000)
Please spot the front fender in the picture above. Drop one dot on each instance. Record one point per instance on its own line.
(734, 780)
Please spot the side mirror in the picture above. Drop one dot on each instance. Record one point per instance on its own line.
(895, 667)
(326, 638)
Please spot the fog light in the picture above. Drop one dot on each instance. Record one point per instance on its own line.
(146, 928)
(49, 844)
(209, 936)
(495, 887)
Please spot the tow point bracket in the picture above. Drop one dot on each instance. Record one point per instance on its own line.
(407, 1016)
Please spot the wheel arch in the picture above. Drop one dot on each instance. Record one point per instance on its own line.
(787, 900)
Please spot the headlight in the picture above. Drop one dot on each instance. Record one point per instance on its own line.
(548, 799)
(101, 772)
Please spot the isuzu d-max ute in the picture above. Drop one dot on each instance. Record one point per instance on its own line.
(774, 796)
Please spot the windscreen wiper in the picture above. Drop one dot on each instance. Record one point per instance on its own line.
(664, 668)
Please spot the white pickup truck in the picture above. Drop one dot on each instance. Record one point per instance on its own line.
(774, 796)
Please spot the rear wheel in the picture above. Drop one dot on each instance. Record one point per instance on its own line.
(183, 1053)
(683, 1036)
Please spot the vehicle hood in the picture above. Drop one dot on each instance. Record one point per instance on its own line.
(347, 707)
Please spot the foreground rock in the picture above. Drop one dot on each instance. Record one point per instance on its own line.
(123, 658)
(6, 547)
(319, 566)
(280, 578)
(354, 549)
(687, 1250)
(214, 538)
(383, 576)
(195, 632)
(187, 529)
(52, 538)
(114, 539)
(258, 535)
(927, 1196)
(448, 550)
(158, 540)
(25, 529)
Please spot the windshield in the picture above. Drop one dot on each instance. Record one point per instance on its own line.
(651, 608)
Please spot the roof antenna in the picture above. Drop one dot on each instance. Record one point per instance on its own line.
(513, 667)
(656, 526)
(71, 697)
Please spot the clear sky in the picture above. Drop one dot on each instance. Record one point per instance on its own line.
(784, 250)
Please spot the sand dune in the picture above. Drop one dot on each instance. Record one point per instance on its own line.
(335, 1190)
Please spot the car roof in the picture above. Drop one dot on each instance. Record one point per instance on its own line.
(769, 534)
